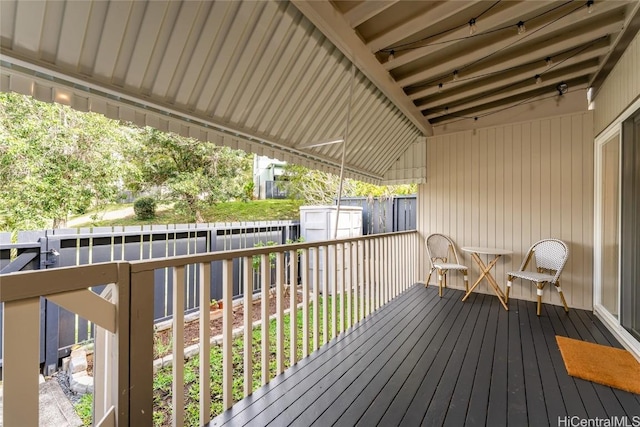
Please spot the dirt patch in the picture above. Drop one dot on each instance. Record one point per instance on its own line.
(162, 339)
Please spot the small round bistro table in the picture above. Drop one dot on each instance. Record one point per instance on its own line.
(485, 269)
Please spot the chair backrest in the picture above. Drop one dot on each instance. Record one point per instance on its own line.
(550, 254)
(441, 247)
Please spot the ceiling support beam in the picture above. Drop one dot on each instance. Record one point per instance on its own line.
(334, 26)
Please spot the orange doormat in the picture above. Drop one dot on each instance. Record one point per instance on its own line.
(609, 366)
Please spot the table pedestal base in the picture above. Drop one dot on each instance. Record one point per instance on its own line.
(486, 274)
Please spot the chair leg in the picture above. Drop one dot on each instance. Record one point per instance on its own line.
(540, 286)
(440, 283)
(445, 279)
(426, 284)
(466, 281)
(564, 302)
(506, 299)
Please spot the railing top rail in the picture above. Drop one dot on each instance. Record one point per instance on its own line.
(81, 233)
(6, 246)
(153, 264)
(39, 283)
(14, 287)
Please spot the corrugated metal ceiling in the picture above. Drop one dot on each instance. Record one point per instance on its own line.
(253, 75)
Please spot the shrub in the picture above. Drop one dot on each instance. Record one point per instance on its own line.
(145, 208)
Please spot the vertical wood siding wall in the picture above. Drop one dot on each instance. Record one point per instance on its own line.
(620, 89)
(509, 186)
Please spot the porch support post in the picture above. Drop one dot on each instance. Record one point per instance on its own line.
(141, 346)
(21, 345)
(123, 322)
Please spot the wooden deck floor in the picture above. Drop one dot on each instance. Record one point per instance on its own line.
(422, 360)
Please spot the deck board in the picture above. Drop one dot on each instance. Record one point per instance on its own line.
(425, 360)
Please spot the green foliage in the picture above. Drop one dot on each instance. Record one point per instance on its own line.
(145, 208)
(248, 188)
(84, 409)
(315, 187)
(54, 161)
(384, 191)
(237, 211)
(195, 173)
(312, 186)
(257, 259)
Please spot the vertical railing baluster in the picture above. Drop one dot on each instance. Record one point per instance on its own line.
(280, 312)
(265, 269)
(379, 284)
(247, 263)
(350, 301)
(178, 346)
(334, 289)
(325, 294)
(367, 276)
(305, 302)
(293, 307)
(316, 298)
(403, 268)
(342, 284)
(396, 270)
(409, 257)
(374, 274)
(204, 270)
(386, 269)
(380, 271)
(405, 256)
(389, 268)
(361, 278)
(227, 331)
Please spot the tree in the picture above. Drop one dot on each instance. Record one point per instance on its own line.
(384, 191)
(54, 161)
(321, 188)
(196, 173)
(314, 187)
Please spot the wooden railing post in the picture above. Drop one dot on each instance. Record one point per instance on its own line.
(123, 350)
(21, 359)
(141, 346)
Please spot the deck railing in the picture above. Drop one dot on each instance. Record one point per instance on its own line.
(360, 274)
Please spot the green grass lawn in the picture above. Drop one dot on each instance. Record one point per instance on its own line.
(256, 210)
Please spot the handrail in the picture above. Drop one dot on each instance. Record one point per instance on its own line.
(36, 283)
(153, 264)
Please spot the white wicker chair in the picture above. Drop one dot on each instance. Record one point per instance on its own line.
(550, 258)
(443, 257)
